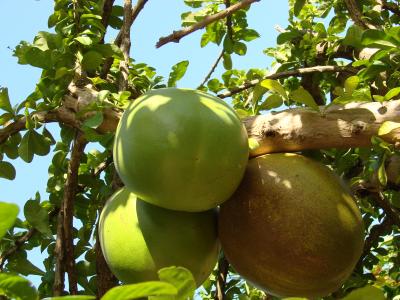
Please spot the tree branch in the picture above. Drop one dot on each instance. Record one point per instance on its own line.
(356, 15)
(213, 67)
(105, 278)
(177, 35)
(284, 74)
(70, 189)
(372, 240)
(105, 17)
(17, 245)
(381, 202)
(125, 45)
(223, 268)
(336, 126)
(391, 7)
(59, 272)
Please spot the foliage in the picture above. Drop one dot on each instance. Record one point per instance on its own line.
(74, 56)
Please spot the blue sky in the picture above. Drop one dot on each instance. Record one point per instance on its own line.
(22, 19)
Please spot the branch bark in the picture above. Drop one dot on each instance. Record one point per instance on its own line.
(391, 7)
(64, 249)
(284, 74)
(356, 15)
(177, 35)
(70, 189)
(335, 126)
(223, 268)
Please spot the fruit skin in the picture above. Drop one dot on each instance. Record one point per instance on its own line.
(291, 228)
(138, 239)
(181, 149)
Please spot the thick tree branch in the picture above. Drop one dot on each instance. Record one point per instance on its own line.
(223, 268)
(177, 35)
(356, 15)
(336, 126)
(284, 74)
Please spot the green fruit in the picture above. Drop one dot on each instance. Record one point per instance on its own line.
(181, 149)
(138, 239)
(291, 228)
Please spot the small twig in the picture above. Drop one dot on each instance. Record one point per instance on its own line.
(17, 245)
(213, 67)
(356, 15)
(296, 72)
(223, 268)
(177, 35)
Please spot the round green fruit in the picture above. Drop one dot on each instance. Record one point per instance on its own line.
(291, 228)
(138, 239)
(181, 149)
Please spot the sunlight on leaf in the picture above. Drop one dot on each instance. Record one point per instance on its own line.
(387, 127)
(8, 215)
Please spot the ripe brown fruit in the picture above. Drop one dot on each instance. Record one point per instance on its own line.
(291, 228)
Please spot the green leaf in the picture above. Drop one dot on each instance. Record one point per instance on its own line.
(298, 5)
(228, 44)
(353, 36)
(17, 287)
(351, 83)
(177, 72)
(287, 36)
(366, 293)
(20, 264)
(376, 38)
(253, 144)
(239, 48)
(37, 216)
(392, 93)
(40, 144)
(7, 170)
(8, 215)
(91, 60)
(387, 127)
(4, 118)
(95, 120)
(84, 40)
(274, 86)
(25, 149)
(227, 61)
(382, 176)
(301, 95)
(181, 278)
(272, 101)
(5, 101)
(139, 290)
(76, 297)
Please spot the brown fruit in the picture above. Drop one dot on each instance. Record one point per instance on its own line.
(291, 228)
